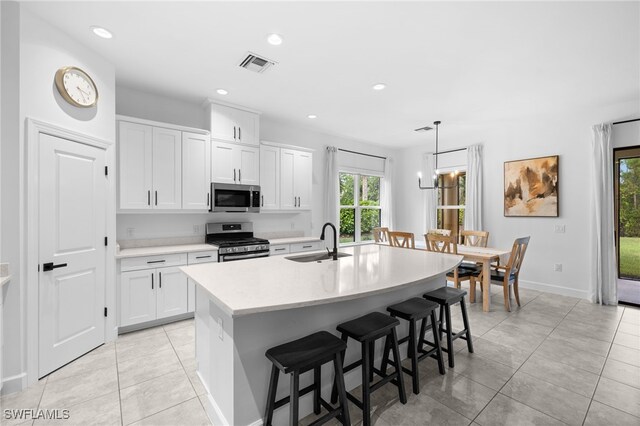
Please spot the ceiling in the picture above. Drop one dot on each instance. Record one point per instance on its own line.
(461, 63)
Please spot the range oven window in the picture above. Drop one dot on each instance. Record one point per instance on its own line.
(231, 198)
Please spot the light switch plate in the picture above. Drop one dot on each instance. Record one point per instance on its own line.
(559, 229)
(557, 267)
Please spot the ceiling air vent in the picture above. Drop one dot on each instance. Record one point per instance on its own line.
(256, 63)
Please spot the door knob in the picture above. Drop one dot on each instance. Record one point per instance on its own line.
(50, 266)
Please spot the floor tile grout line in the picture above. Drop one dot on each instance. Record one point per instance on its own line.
(518, 369)
(115, 348)
(606, 358)
(163, 410)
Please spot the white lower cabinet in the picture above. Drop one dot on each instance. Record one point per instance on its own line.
(153, 287)
(277, 249)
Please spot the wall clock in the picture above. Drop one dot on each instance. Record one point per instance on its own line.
(76, 87)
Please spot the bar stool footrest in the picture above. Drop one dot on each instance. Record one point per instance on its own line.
(284, 401)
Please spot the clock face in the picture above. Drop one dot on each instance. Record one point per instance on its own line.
(76, 87)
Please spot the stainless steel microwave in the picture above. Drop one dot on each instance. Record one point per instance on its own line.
(228, 197)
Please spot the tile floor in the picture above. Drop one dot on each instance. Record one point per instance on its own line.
(555, 360)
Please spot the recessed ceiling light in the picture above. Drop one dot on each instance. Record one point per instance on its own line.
(275, 39)
(221, 92)
(312, 116)
(101, 32)
(379, 86)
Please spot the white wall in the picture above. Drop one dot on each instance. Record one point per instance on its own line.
(43, 49)
(154, 107)
(567, 135)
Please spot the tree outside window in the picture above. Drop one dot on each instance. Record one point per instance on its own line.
(360, 209)
(451, 201)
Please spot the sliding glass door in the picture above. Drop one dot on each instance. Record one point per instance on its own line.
(627, 215)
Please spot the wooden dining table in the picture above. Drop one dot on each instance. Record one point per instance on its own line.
(484, 255)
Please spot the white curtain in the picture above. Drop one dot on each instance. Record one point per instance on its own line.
(387, 195)
(473, 190)
(430, 195)
(603, 261)
(331, 186)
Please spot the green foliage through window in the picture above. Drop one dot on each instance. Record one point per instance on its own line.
(359, 201)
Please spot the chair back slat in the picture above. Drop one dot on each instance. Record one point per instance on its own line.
(445, 232)
(517, 255)
(381, 235)
(474, 238)
(441, 243)
(402, 239)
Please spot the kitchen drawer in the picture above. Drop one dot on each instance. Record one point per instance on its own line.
(149, 262)
(279, 249)
(203, 257)
(310, 246)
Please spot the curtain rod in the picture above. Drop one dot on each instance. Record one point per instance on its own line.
(626, 121)
(451, 150)
(362, 153)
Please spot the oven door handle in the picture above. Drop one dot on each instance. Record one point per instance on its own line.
(243, 256)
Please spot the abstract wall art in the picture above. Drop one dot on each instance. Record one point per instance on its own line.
(531, 187)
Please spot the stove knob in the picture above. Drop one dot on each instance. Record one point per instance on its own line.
(235, 249)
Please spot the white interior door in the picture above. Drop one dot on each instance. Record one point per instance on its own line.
(72, 222)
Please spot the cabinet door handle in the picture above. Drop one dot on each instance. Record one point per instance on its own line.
(234, 133)
(152, 281)
(234, 175)
(155, 261)
(240, 133)
(203, 257)
(208, 195)
(279, 249)
(160, 280)
(156, 198)
(307, 246)
(239, 175)
(149, 197)
(262, 201)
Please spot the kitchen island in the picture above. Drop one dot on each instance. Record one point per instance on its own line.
(245, 307)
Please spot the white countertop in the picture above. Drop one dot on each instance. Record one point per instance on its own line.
(293, 240)
(159, 250)
(4, 280)
(276, 283)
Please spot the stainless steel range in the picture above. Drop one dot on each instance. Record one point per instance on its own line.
(235, 241)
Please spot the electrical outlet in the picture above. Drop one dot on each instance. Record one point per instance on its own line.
(557, 267)
(559, 229)
(131, 232)
(220, 329)
(196, 229)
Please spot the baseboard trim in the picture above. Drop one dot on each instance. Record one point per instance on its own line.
(14, 384)
(211, 407)
(555, 289)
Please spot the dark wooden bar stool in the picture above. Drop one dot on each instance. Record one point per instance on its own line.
(445, 297)
(302, 355)
(413, 310)
(366, 330)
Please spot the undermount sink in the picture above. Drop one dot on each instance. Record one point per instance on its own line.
(316, 257)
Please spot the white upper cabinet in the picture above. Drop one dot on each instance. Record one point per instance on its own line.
(234, 124)
(154, 174)
(285, 177)
(167, 168)
(134, 163)
(231, 163)
(302, 179)
(196, 171)
(269, 177)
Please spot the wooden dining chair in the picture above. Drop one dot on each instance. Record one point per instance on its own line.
(447, 244)
(507, 275)
(402, 239)
(381, 235)
(474, 238)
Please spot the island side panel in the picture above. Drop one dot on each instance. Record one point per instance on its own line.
(255, 333)
(214, 356)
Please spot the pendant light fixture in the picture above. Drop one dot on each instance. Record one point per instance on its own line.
(435, 174)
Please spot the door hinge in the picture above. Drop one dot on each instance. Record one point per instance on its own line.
(106, 170)
(105, 311)
(105, 241)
